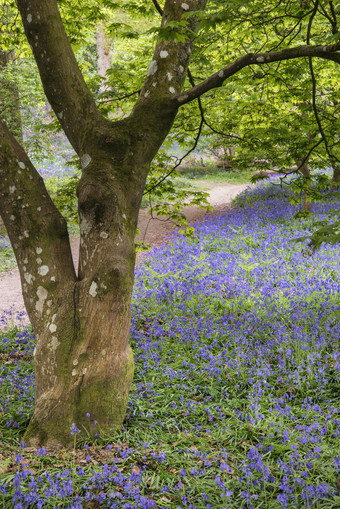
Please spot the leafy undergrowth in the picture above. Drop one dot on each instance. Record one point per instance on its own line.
(236, 396)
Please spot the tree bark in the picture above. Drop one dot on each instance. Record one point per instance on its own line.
(336, 175)
(307, 200)
(103, 56)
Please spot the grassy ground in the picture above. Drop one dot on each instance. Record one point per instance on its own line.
(206, 177)
(235, 401)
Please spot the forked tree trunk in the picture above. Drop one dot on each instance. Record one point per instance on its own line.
(83, 361)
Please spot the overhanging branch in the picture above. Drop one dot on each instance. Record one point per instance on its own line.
(158, 7)
(217, 79)
(333, 160)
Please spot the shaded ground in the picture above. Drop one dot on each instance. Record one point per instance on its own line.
(153, 232)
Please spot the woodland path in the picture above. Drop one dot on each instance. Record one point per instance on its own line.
(153, 232)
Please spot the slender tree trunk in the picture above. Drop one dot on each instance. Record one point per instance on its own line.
(10, 104)
(103, 56)
(305, 171)
(336, 175)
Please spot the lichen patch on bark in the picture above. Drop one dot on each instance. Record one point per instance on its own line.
(42, 296)
(93, 289)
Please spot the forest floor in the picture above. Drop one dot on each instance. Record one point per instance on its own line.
(152, 231)
(235, 396)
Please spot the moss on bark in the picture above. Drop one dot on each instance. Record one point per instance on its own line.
(104, 399)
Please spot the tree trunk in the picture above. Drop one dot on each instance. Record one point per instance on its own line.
(336, 175)
(85, 336)
(83, 361)
(307, 201)
(103, 57)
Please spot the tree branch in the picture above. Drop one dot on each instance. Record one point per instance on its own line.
(167, 70)
(62, 80)
(119, 98)
(332, 158)
(218, 78)
(30, 216)
(158, 7)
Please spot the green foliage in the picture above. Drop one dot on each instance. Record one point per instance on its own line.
(327, 232)
(7, 259)
(171, 197)
(176, 31)
(64, 196)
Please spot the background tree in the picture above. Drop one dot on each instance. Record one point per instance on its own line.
(83, 361)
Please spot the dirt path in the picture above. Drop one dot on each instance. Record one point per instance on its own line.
(152, 232)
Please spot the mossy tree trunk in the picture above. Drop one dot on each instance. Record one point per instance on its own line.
(83, 361)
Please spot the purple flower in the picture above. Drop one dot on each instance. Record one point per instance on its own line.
(74, 429)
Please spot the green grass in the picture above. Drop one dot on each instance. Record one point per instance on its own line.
(204, 177)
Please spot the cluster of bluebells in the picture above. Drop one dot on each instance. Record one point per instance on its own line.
(16, 378)
(107, 486)
(4, 243)
(249, 317)
(236, 343)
